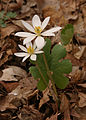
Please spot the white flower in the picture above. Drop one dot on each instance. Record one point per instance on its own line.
(37, 31)
(29, 51)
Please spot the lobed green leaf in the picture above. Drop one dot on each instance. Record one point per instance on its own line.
(11, 14)
(67, 34)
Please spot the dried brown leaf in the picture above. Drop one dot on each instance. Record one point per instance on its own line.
(80, 53)
(45, 97)
(25, 88)
(9, 73)
(8, 30)
(64, 107)
(82, 101)
(53, 117)
(82, 85)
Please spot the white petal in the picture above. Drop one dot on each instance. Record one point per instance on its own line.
(34, 45)
(55, 29)
(38, 52)
(29, 39)
(36, 21)
(46, 33)
(28, 44)
(24, 34)
(22, 48)
(28, 26)
(45, 22)
(25, 58)
(40, 42)
(37, 49)
(33, 57)
(22, 54)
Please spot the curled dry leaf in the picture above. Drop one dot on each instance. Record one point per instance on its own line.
(20, 25)
(79, 113)
(25, 88)
(23, 91)
(5, 103)
(81, 52)
(10, 73)
(45, 97)
(30, 113)
(64, 107)
(45, 3)
(68, 7)
(76, 74)
(8, 30)
(15, 6)
(82, 101)
(82, 85)
(53, 117)
(8, 86)
(27, 7)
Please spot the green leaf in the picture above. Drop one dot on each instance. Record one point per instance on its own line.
(60, 80)
(65, 66)
(2, 24)
(5, 18)
(41, 85)
(56, 64)
(60, 67)
(1, 14)
(67, 34)
(58, 52)
(11, 14)
(37, 75)
(41, 65)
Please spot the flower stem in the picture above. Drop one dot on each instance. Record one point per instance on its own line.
(43, 78)
(50, 76)
(41, 74)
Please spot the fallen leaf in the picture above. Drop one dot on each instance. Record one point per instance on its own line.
(8, 30)
(26, 8)
(5, 103)
(45, 97)
(30, 113)
(80, 53)
(22, 92)
(79, 113)
(25, 88)
(82, 101)
(82, 85)
(64, 107)
(10, 73)
(9, 86)
(53, 117)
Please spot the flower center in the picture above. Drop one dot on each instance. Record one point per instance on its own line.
(38, 30)
(30, 50)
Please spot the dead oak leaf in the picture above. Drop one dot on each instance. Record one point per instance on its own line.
(8, 30)
(53, 117)
(10, 73)
(5, 103)
(26, 88)
(45, 97)
(64, 107)
(82, 101)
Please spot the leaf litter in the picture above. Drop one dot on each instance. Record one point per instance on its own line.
(18, 92)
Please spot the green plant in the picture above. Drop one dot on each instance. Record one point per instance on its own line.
(67, 34)
(49, 64)
(6, 16)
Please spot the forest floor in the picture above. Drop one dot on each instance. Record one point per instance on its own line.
(19, 97)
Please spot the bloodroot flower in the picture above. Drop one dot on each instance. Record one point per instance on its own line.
(29, 51)
(37, 31)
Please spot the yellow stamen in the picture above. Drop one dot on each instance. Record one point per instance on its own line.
(30, 50)
(38, 30)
